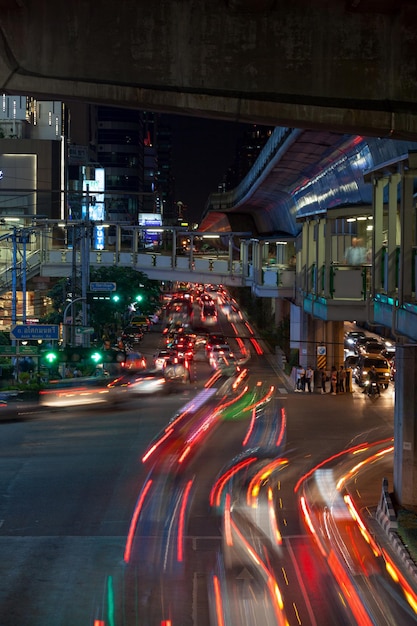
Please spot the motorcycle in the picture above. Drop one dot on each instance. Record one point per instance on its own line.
(372, 388)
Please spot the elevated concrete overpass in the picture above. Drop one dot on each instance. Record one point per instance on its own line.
(346, 66)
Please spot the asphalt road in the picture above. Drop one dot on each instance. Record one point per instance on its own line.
(70, 481)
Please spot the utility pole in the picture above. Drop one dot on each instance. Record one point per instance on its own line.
(14, 275)
(85, 266)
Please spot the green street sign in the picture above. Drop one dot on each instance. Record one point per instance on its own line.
(7, 350)
(83, 330)
(23, 350)
(28, 350)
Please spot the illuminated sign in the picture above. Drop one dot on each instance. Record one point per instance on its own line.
(150, 219)
(96, 211)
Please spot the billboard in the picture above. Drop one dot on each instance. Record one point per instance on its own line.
(94, 183)
(151, 235)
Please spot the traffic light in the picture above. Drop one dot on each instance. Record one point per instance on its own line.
(139, 297)
(75, 354)
(96, 357)
(115, 298)
(113, 356)
(51, 357)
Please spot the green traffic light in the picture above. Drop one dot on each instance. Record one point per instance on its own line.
(139, 297)
(51, 357)
(116, 298)
(96, 357)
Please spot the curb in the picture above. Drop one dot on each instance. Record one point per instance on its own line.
(387, 519)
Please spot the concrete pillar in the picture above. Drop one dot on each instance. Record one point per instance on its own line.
(407, 229)
(118, 244)
(377, 233)
(405, 429)
(244, 257)
(328, 255)
(392, 232)
(257, 261)
(320, 254)
(135, 241)
(174, 248)
(311, 258)
(331, 336)
(335, 344)
(304, 258)
(230, 251)
(281, 309)
(311, 341)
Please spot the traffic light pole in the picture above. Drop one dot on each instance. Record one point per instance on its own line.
(64, 317)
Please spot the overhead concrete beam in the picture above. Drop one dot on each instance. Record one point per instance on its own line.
(346, 66)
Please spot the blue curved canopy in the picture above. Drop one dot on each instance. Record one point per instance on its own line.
(301, 173)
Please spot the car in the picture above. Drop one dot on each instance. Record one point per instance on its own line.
(74, 392)
(352, 336)
(365, 362)
(233, 315)
(218, 352)
(132, 334)
(177, 369)
(209, 314)
(160, 358)
(373, 346)
(215, 339)
(146, 382)
(220, 359)
(135, 361)
(393, 368)
(389, 350)
(141, 321)
(360, 342)
(351, 361)
(182, 348)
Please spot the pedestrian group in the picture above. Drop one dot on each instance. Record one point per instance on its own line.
(336, 377)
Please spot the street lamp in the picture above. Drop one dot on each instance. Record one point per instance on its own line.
(64, 317)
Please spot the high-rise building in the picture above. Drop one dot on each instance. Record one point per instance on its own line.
(120, 151)
(166, 182)
(32, 158)
(33, 170)
(247, 151)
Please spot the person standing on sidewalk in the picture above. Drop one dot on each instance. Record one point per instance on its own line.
(309, 378)
(323, 375)
(300, 378)
(333, 380)
(342, 379)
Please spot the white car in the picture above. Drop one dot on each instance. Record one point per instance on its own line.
(233, 315)
(220, 355)
(160, 359)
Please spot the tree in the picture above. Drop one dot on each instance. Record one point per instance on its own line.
(129, 283)
(115, 308)
(58, 297)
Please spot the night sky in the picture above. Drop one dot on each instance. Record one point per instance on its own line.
(202, 152)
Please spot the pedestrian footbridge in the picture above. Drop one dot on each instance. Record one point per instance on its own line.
(237, 260)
